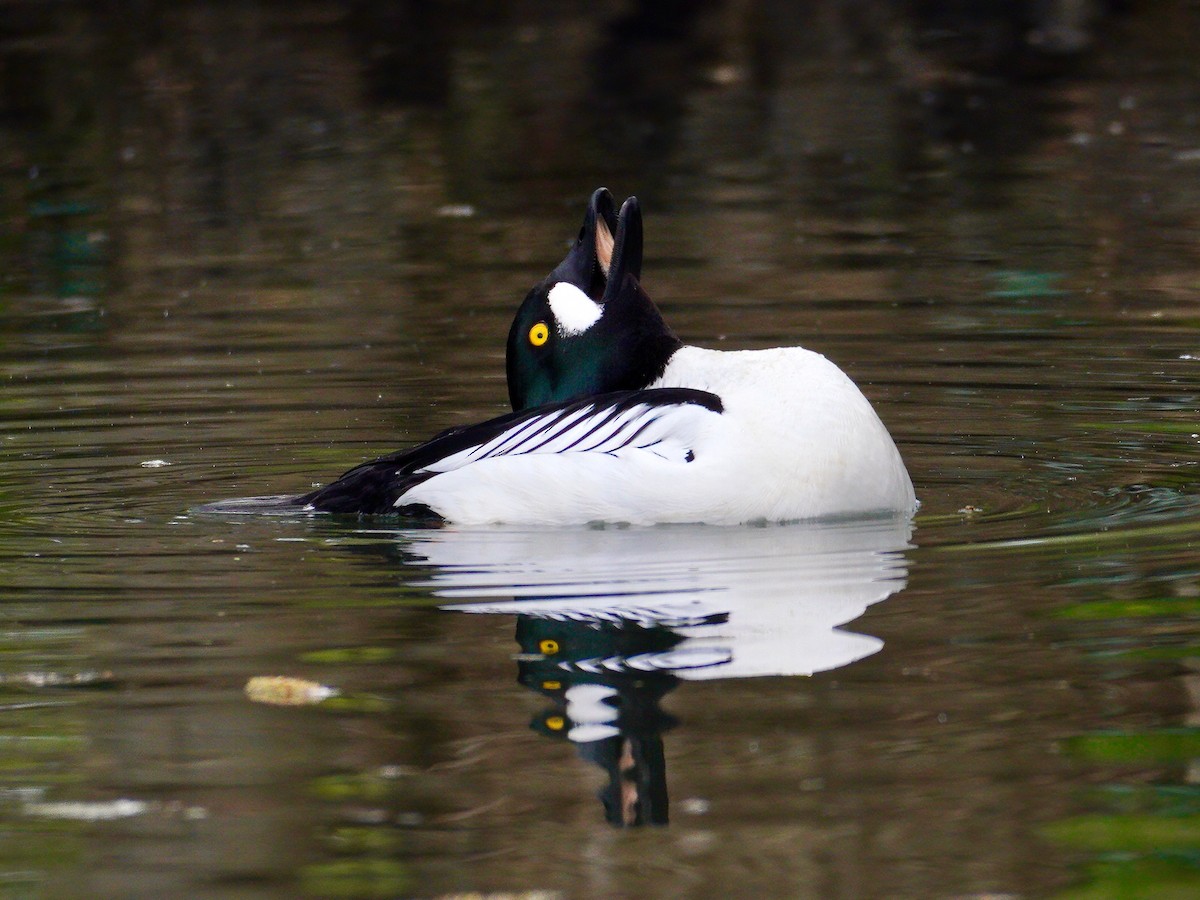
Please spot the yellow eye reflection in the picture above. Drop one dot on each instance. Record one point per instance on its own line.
(548, 647)
(555, 723)
(539, 334)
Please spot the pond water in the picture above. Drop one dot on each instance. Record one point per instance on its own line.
(243, 252)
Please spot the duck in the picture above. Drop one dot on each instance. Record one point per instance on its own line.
(615, 420)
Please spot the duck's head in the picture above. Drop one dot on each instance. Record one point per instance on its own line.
(588, 327)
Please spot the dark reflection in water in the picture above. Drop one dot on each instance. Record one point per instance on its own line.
(609, 621)
(251, 132)
(606, 680)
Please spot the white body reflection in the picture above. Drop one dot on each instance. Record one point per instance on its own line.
(745, 601)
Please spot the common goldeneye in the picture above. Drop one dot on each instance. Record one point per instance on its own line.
(616, 420)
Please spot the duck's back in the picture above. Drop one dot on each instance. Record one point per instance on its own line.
(799, 440)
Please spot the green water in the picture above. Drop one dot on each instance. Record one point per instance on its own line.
(243, 252)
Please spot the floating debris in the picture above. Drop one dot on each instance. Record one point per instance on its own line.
(87, 811)
(102, 810)
(456, 211)
(58, 679)
(280, 690)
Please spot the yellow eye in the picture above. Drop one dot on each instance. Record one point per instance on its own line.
(548, 647)
(551, 685)
(539, 334)
(555, 723)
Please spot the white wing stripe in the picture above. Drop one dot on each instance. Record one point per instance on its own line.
(620, 437)
(503, 437)
(506, 442)
(617, 419)
(566, 436)
(607, 430)
(624, 434)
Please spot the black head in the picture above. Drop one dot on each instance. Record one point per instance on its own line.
(588, 327)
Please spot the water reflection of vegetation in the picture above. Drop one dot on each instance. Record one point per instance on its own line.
(359, 878)
(1151, 854)
(42, 754)
(1143, 839)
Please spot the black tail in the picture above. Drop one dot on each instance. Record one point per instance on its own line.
(367, 490)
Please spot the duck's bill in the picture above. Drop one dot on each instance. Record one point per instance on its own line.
(607, 250)
(604, 243)
(626, 258)
(587, 263)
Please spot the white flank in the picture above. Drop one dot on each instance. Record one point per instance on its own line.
(574, 310)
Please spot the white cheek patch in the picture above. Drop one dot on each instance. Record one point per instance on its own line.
(574, 310)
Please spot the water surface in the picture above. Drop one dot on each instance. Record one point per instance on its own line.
(243, 253)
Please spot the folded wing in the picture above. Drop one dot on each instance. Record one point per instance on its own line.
(627, 425)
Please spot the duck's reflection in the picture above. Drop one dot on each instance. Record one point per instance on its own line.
(611, 620)
(605, 688)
